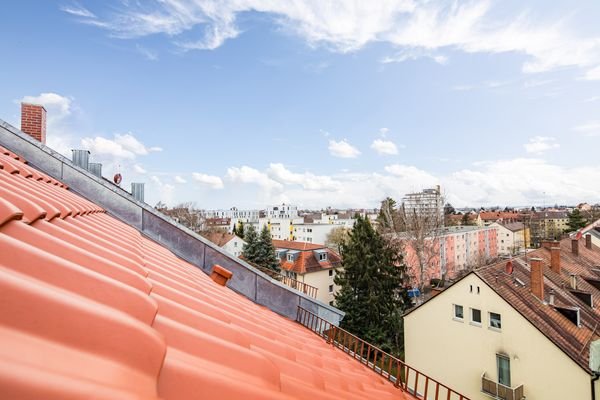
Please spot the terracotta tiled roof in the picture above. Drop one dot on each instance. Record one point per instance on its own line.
(219, 238)
(515, 289)
(306, 260)
(90, 308)
(498, 215)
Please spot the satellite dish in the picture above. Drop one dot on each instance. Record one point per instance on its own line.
(117, 179)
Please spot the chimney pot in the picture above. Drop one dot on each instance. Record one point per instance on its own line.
(551, 297)
(573, 281)
(537, 278)
(220, 275)
(33, 121)
(575, 246)
(81, 158)
(588, 241)
(555, 259)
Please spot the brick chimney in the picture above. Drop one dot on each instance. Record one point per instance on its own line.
(588, 241)
(575, 246)
(537, 278)
(33, 121)
(555, 259)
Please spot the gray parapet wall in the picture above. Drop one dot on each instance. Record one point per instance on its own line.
(246, 280)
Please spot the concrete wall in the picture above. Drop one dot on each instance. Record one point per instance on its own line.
(457, 352)
(186, 244)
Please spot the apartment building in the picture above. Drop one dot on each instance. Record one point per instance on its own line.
(513, 237)
(451, 251)
(548, 225)
(522, 328)
(312, 264)
(428, 202)
(232, 244)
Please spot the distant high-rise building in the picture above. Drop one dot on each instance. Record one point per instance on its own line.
(428, 203)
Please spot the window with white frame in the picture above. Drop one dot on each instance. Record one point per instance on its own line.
(322, 256)
(458, 312)
(495, 320)
(476, 316)
(330, 288)
(290, 257)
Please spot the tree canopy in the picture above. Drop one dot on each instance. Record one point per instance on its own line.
(259, 250)
(371, 288)
(576, 220)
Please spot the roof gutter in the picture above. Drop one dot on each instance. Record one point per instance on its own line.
(593, 386)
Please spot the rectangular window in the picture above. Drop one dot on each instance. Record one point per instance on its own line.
(458, 311)
(495, 320)
(330, 288)
(476, 316)
(503, 363)
(322, 256)
(330, 272)
(290, 257)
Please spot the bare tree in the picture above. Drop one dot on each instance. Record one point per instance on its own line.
(336, 237)
(186, 214)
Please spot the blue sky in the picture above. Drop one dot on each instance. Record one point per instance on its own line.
(317, 103)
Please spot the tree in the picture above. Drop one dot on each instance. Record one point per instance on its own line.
(466, 219)
(266, 251)
(387, 220)
(448, 209)
(576, 220)
(251, 247)
(233, 231)
(240, 229)
(336, 237)
(371, 288)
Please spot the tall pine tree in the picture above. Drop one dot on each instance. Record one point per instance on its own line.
(266, 256)
(250, 250)
(576, 220)
(371, 288)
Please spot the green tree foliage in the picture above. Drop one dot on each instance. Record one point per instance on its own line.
(240, 229)
(251, 247)
(233, 231)
(576, 220)
(371, 288)
(267, 257)
(259, 250)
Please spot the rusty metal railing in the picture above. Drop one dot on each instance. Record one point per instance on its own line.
(291, 282)
(402, 375)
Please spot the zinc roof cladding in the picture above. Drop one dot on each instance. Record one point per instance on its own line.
(305, 260)
(91, 308)
(571, 339)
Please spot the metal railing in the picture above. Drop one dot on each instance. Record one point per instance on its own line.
(500, 391)
(305, 288)
(403, 376)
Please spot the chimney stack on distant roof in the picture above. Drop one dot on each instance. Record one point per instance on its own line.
(588, 241)
(137, 190)
(575, 246)
(555, 259)
(81, 158)
(33, 121)
(537, 278)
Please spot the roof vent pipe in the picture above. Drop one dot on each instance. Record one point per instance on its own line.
(137, 190)
(81, 158)
(551, 298)
(220, 275)
(95, 168)
(573, 281)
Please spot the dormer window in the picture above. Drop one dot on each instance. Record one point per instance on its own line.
(290, 257)
(323, 257)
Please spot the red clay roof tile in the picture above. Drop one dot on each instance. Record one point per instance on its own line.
(91, 308)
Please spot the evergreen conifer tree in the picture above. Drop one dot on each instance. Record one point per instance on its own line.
(240, 229)
(233, 231)
(267, 257)
(576, 220)
(371, 288)
(251, 247)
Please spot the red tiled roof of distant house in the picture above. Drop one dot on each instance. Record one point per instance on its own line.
(219, 238)
(499, 215)
(306, 260)
(90, 308)
(572, 339)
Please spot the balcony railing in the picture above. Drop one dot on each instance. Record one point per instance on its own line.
(391, 368)
(291, 282)
(500, 391)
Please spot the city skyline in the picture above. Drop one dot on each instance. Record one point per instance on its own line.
(250, 103)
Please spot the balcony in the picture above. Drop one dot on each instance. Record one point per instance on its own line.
(498, 391)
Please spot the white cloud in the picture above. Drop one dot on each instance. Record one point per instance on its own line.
(179, 179)
(591, 99)
(411, 54)
(307, 180)
(139, 169)
(540, 144)
(418, 178)
(124, 146)
(592, 74)
(212, 181)
(57, 106)
(78, 11)
(160, 191)
(384, 147)
(414, 27)
(591, 128)
(343, 149)
(148, 54)
(247, 174)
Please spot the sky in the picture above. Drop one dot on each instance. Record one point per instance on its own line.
(317, 103)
